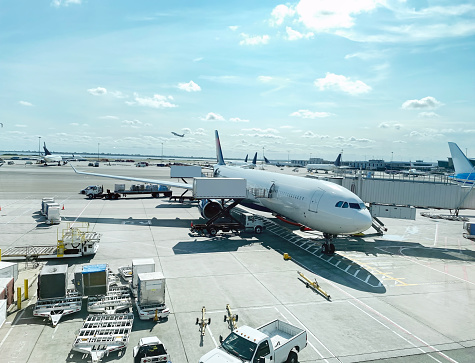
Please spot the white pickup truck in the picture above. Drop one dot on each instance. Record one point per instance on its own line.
(274, 342)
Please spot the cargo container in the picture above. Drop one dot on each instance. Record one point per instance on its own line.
(49, 205)
(53, 282)
(185, 171)
(219, 188)
(43, 204)
(8, 269)
(140, 266)
(151, 288)
(53, 215)
(95, 279)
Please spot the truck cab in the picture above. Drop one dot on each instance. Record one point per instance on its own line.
(94, 190)
(251, 222)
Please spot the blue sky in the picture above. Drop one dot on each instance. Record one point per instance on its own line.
(376, 79)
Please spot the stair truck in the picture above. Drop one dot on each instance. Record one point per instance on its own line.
(276, 342)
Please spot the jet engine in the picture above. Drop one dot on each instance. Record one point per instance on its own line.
(209, 208)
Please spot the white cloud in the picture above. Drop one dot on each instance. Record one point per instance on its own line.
(132, 123)
(428, 115)
(97, 91)
(400, 142)
(199, 59)
(279, 13)
(25, 103)
(383, 125)
(265, 79)
(189, 87)
(342, 83)
(323, 15)
(109, 117)
(256, 129)
(18, 125)
(310, 114)
(295, 35)
(157, 101)
(58, 3)
(237, 119)
(211, 116)
(312, 135)
(426, 102)
(286, 127)
(233, 27)
(254, 40)
(117, 94)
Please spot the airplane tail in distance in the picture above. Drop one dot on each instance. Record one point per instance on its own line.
(219, 152)
(46, 150)
(338, 160)
(245, 160)
(461, 163)
(254, 159)
(266, 160)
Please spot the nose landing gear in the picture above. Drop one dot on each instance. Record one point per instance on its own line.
(328, 248)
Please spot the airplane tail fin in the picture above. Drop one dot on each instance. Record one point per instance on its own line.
(245, 160)
(338, 160)
(461, 163)
(254, 159)
(219, 152)
(266, 160)
(47, 152)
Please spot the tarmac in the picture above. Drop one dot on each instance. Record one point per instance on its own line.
(405, 296)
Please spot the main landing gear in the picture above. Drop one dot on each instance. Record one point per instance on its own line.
(328, 248)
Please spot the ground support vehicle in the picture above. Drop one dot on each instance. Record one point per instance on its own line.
(152, 311)
(76, 240)
(102, 334)
(150, 350)
(55, 309)
(97, 191)
(117, 299)
(125, 272)
(224, 221)
(275, 342)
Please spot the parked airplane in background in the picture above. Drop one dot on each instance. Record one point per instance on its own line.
(50, 158)
(317, 204)
(174, 133)
(326, 167)
(464, 170)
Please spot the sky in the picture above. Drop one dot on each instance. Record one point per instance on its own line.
(383, 79)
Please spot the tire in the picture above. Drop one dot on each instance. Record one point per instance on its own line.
(212, 231)
(324, 249)
(292, 358)
(258, 229)
(90, 196)
(332, 248)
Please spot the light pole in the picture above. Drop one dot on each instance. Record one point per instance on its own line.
(288, 155)
(98, 151)
(39, 145)
(162, 150)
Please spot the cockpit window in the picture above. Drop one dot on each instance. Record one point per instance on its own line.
(339, 204)
(345, 205)
(354, 205)
(362, 206)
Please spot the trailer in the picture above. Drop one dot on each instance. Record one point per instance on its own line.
(155, 190)
(76, 240)
(117, 299)
(242, 222)
(55, 309)
(102, 334)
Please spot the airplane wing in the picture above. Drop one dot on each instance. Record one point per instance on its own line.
(142, 180)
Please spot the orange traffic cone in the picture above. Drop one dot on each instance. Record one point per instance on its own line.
(63, 206)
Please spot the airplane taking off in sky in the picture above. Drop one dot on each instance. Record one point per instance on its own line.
(464, 170)
(320, 205)
(326, 167)
(179, 135)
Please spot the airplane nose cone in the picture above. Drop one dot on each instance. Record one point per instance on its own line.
(363, 221)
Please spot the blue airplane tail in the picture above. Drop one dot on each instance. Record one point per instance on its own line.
(338, 160)
(47, 152)
(245, 160)
(254, 159)
(219, 152)
(266, 160)
(463, 167)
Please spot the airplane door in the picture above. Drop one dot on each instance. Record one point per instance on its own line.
(317, 195)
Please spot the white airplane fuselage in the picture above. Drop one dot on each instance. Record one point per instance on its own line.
(310, 202)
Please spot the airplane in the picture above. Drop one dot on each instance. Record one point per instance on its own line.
(326, 167)
(50, 158)
(174, 133)
(316, 204)
(464, 170)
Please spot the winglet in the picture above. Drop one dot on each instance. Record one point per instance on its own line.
(219, 152)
